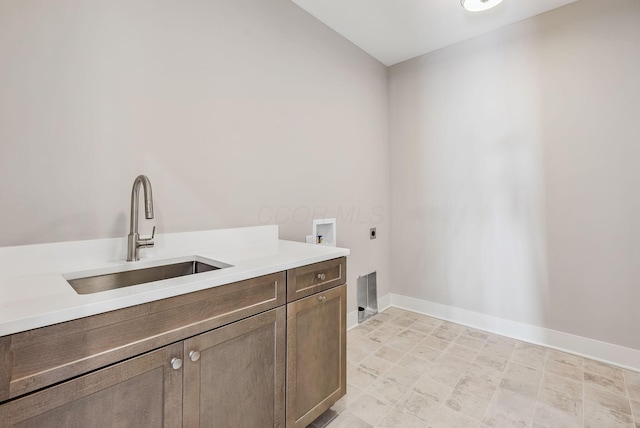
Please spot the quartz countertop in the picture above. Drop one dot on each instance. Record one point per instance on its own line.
(34, 292)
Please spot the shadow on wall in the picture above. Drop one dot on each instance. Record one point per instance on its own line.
(469, 156)
(498, 233)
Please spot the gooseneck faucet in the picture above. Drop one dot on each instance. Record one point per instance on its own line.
(134, 242)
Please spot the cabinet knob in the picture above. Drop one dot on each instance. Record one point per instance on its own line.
(176, 363)
(322, 298)
(321, 276)
(194, 356)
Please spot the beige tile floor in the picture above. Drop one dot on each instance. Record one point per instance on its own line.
(409, 370)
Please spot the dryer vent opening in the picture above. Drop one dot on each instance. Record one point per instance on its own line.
(367, 296)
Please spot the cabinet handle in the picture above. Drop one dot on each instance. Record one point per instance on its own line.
(322, 298)
(194, 356)
(321, 276)
(176, 363)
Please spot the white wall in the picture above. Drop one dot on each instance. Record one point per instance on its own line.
(513, 156)
(241, 113)
(514, 172)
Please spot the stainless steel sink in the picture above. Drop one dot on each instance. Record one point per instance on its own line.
(114, 280)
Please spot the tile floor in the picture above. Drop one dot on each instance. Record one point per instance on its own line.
(409, 370)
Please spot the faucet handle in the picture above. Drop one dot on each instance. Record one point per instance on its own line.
(153, 233)
(147, 242)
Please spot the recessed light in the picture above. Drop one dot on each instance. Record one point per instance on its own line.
(479, 5)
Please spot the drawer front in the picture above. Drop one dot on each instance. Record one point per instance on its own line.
(307, 280)
(44, 356)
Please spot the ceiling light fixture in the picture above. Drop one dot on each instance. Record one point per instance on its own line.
(479, 5)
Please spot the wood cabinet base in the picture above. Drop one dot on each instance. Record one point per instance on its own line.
(316, 355)
(237, 355)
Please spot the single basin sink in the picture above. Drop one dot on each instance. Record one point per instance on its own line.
(113, 280)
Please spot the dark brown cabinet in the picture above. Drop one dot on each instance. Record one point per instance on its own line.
(234, 375)
(145, 392)
(230, 356)
(229, 377)
(316, 355)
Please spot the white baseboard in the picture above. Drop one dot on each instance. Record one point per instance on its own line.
(594, 349)
(352, 320)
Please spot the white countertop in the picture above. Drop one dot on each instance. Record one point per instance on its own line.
(34, 293)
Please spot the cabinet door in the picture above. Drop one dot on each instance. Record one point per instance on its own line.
(237, 378)
(316, 355)
(142, 392)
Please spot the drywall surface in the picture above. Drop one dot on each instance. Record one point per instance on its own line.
(514, 172)
(241, 113)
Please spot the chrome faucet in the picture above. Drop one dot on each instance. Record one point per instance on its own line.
(134, 242)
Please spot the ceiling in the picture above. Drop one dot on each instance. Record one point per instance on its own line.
(397, 30)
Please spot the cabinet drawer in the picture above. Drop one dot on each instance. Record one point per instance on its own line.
(307, 280)
(37, 358)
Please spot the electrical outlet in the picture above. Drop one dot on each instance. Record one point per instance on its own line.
(372, 233)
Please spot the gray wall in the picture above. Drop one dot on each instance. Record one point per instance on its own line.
(242, 112)
(514, 172)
